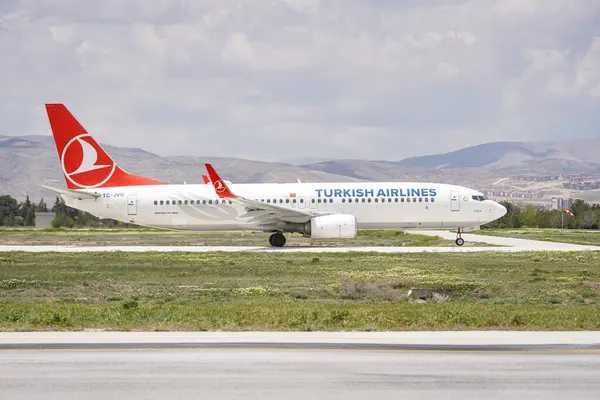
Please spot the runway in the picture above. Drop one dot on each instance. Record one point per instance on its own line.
(452, 365)
(498, 244)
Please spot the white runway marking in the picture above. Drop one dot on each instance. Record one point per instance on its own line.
(439, 338)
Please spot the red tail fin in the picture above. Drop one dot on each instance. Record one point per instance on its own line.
(84, 163)
(220, 186)
(206, 180)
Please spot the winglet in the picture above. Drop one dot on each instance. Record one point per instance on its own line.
(220, 186)
(206, 180)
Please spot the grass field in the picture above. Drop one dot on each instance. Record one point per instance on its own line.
(319, 291)
(181, 238)
(573, 236)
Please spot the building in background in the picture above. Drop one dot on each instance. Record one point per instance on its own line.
(559, 203)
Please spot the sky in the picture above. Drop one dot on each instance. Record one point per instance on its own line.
(287, 79)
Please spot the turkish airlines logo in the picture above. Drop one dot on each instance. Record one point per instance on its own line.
(219, 186)
(82, 164)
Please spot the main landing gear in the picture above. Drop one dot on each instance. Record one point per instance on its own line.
(277, 240)
(459, 240)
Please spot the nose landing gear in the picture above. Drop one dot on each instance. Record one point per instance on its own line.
(459, 240)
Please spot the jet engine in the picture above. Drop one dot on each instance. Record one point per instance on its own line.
(334, 226)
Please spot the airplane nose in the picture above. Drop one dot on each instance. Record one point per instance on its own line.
(500, 210)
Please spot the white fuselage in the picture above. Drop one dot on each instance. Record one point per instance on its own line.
(376, 205)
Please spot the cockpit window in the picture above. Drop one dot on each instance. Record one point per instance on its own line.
(479, 198)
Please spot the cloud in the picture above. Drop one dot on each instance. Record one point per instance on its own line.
(282, 79)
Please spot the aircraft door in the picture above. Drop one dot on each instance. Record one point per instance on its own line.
(454, 201)
(132, 204)
(312, 202)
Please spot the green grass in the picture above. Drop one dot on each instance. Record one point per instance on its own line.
(109, 237)
(574, 236)
(298, 291)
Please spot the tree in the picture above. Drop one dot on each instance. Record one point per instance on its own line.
(30, 217)
(25, 207)
(529, 217)
(9, 210)
(58, 207)
(579, 206)
(587, 220)
(41, 206)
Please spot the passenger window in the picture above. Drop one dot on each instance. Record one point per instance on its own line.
(161, 202)
(331, 200)
(203, 201)
(369, 200)
(426, 199)
(343, 200)
(420, 199)
(294, 201)
(210, 202)
(168, 202)
(185, 202)
(287, 200)
(414, 199)
(268, 200)
(349, 200)
(396, 199)
(363, 200)
(432, 199)
(376, 199)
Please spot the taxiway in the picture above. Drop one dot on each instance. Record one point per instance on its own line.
(493, 244)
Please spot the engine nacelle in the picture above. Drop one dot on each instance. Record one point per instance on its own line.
(334, 226)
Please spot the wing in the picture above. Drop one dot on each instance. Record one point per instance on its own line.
(259, 212)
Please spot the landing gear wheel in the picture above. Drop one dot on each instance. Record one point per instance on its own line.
(277, 240)
(459, 240)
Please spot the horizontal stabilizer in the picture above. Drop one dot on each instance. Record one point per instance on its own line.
(76, 194)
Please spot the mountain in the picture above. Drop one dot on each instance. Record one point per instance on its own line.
(390, 171)
(518, 157)
(28, 161)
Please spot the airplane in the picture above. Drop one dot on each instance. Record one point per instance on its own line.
(97, 185)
